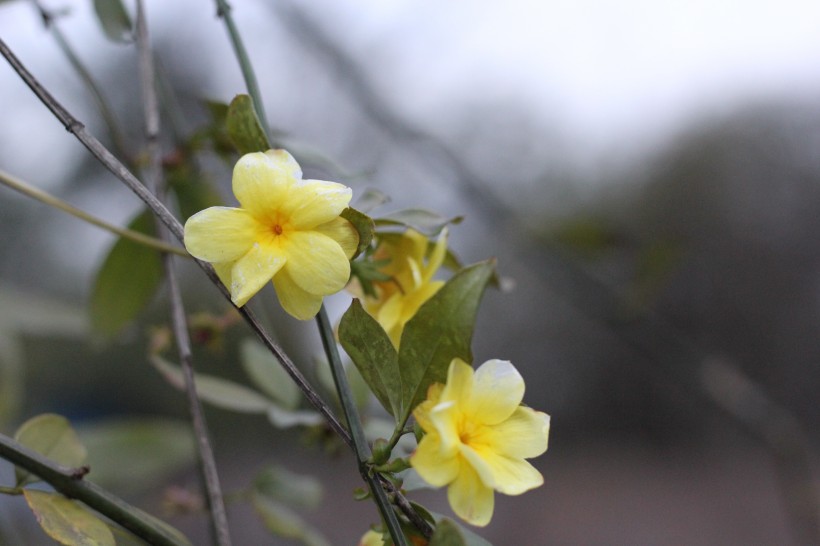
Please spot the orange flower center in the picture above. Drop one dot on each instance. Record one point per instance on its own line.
(277, 229)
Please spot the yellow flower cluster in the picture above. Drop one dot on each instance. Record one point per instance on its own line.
(411, 282)
(477, 436)
(287, 229)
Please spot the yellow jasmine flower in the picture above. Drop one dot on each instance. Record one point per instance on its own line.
(287, 229)
(477, 437)
(411, 280)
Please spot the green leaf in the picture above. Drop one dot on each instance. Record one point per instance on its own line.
(114, 20)
(363, 224)
(422, 220)
(152, 449)
(371, 199)
(215, 390)
(284, 522)
(368, 345)
(244, 128)
(282, 418)
(441, 330)
(279, 484)
(67, 521)
(128, 278)
(50, 435)
(267, 374)
(449, 533)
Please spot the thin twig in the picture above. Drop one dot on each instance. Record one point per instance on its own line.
(48, 199)
(223, 10)
(216, 505)
(143, 525)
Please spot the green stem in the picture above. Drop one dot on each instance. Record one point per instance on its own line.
(52, 201)
(10, 490)
(360, 446)
(224, 11)
(143, 525)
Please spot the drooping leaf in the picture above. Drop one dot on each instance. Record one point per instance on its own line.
(364, 226)
(284, 522)
(215, 390)
(152, 449)
(441, 330)
(244, 127)
(422, 220)
(114, 20)
(368, 345)
(370, 199)
(67, 521)
(449, 533)
(280, 484)
(50, 435)
(283, 418)
(128, 278)
(267, 374)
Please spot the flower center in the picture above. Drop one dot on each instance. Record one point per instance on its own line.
(277, 229)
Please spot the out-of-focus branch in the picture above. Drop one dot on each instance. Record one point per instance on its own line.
(210, 476)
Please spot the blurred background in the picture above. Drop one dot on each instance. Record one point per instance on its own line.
(646, 173)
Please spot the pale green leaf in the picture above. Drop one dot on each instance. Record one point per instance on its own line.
(284, 522)
(152, 449)
(267, 374)
(50, 435)
(114, 20)
(128, 278)
(441, 330)
(282, 485)
(282, 418)
(244, 127)
(367, 344)
(424, 221)
(370, 199)
(67, 521)
(215, 390)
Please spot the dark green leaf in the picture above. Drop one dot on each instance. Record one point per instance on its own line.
(363, 224)
(422, 220)
(441, 330)
(128, 278)
(267, 374)
(244, 127)
(367, 344)
(67, 521)
(215, 390)
(279, 484)
(50, 435)
(152, 449)
(114, 20)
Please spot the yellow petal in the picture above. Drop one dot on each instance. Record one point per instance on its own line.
(413, 301)
(470, 499)
(459, 384)
(389, 316)
(498, 389)
(422, 411)
(261, 184)
(298, 303)
(435, 465)
(510, 475)
(525, 434)
(253, 270)
(316, 262)
(223, 271)
(283, 160)
(311, 203)
(436, 257)
(343, 232)
(445, 418)
(220, 234)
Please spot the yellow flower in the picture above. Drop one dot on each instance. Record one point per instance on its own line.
(411, 280)
(287, 229)
(371, 538)
(477, 437)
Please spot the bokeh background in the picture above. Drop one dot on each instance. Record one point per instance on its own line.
(646, 173)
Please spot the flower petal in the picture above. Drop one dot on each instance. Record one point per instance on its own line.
(343, 232)
(220, 234)
(283, 160)
(315, 202)
(262, 184)
(297, 302)
(510, 475)
(422, 411)
(436, 257)
(525, 434)
(498, 390)
(470, 499)
(459, 383)
(223, 271)
(253, 270)
(435, 465)
(316, 262)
